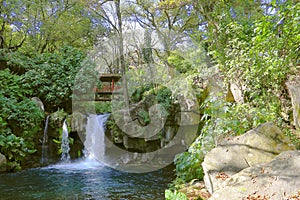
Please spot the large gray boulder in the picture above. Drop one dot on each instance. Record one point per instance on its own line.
(38, 102)
(279, 179)
(2, 163)
(259, 145)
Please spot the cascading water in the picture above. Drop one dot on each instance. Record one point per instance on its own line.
(94, 146)
(84, 178)
(95, 133)
(44, 158)
(65, 148)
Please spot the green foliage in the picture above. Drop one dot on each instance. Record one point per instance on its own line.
(16, 61)
(10, 87)
(293, 136)
(17, 109)
(20, 119)
(255, 51)
(114, 129)
(145, 116)
(53, 75)
(176, 195)
(188, 165)
(58, 117)
(15, 150)
(155, 94)
(258, 66)
(164, 97)
(180, 63)
(97, 107)
(221, 119)
(43, 26)
(260, 54)
(234, 119)
(138, 93)
(103, 107)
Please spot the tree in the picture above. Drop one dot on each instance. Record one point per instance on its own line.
(13, 26)
(254, 44)
(40, 26)
(172, 21)
(111, 12)
(166, 18)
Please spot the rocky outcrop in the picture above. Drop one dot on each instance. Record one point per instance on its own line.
(237, 92)
(140, 144)
(57, 118)
(294, 92)
(279, 179)
(259, 145)
(38, 102)
(2, 163)
(78, 121)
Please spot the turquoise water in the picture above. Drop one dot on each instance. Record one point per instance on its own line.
(86, 179)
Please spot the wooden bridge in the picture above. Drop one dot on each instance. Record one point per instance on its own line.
(108, 86)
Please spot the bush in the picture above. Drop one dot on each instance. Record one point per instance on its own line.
(20, 119)
(53, 75)
(15, 149)
(188, 165)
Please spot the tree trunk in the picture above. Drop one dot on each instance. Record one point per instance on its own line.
(121, 52)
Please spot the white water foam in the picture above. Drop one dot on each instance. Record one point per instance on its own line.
(94, 145)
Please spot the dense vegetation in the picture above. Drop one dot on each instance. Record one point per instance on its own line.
(20, 119)
(252, 44)
(40, 56)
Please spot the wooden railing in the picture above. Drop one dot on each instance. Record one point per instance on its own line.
(106, 89)
(104, 93)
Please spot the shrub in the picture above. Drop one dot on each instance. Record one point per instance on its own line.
(20, 119)
(53, 75)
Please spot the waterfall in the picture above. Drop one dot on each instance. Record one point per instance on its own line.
(95, 133)
(44, 158)
(65, 156)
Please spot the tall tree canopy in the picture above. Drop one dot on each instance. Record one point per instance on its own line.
(40, 26)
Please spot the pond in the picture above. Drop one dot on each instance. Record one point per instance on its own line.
(84, 179)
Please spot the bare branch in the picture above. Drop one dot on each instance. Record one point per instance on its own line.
(104, 15)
